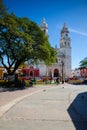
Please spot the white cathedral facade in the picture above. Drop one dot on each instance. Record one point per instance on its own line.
(62, 67)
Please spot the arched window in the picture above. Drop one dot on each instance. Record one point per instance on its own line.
(31, 73)
(44, 31)
(66, 34)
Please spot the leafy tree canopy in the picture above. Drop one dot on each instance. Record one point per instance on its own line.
(2, 9)
(22, 40)
(83, 63)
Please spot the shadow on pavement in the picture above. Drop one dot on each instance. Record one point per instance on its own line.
(78, 111)
(12, 89)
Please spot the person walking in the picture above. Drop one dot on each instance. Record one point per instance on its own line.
(57, 80)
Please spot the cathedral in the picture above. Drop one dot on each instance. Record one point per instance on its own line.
(62, 67)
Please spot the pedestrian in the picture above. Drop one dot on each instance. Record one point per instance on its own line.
(31, 82)
(57, 80)
(5, 78)
(22, 83)
(50, 80)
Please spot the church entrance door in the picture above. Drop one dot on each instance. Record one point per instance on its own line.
(31, 73)
(56, 72)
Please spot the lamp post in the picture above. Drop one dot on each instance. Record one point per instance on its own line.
(62, 72)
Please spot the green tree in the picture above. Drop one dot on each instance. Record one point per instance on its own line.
(83, 63)
(41, 47)
(15, 44)
(22, 40)
(3, 9)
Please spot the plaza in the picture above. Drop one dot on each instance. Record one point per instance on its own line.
(45, 107)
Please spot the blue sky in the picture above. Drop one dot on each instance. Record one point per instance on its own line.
(56, 12)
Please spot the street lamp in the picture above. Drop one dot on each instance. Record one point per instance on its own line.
(62, 72)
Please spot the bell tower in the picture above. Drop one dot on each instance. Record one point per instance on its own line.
(65, 38)
(44, 27)
(65, 47)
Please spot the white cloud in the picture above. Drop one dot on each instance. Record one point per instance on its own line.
(78, 32)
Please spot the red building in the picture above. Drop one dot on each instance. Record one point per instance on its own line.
(29, 72)
(83, 72)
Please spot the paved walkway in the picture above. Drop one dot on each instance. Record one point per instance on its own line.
(9, 97)
(78, 97)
